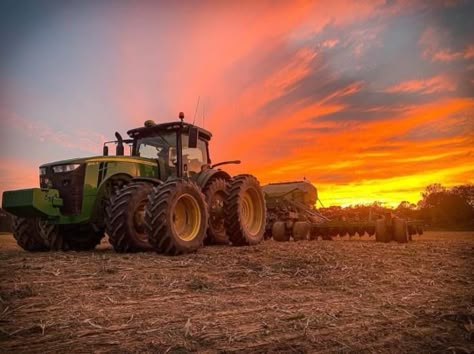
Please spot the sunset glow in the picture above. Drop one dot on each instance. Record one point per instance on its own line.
(371, 101)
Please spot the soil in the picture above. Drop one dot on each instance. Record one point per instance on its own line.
(346, 295)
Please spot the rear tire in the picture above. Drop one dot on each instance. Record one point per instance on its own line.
(73, 237)
(216, 195)
(279, 232)
(300, 231)
(176, 217)
(125, 218)
(26, 232)
(245, 211)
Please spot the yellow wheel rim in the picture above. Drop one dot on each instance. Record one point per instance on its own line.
(251, 212)
(186, 218)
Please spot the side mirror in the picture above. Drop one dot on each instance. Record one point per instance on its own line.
(193, 137)
(172, 158)
(106, 150)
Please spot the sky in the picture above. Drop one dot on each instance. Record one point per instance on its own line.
(369, 100)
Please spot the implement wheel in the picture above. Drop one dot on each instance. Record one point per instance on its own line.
(382, 232)
(400, 232)
(216, 195)
(245, 211)
(125, 218)
(176, 217)
(279, 232)
(71, 237)
(411, 230)
(325, 234)
(313, 233)
(300, 231)
(26, 232)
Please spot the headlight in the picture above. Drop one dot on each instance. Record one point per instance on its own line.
(42, 171)
(65, 168)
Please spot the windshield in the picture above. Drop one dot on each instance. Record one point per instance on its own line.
(156, 147)
(163, 148)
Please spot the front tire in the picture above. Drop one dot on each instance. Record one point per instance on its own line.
(176, 217)
(125, 218)
(245, 211)
(26, 232)
(73, 237)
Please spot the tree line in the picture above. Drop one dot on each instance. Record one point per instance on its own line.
(438, 208)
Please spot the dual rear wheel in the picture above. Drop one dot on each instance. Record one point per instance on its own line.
(175, 217)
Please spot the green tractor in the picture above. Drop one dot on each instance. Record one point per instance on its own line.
(165, 196)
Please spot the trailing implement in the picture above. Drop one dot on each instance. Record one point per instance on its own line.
(291, 214)
(164, 196)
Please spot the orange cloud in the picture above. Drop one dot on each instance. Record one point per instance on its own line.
(289, 97)
(433, 41)
(17, 174)
(438, 83)
(84, 140)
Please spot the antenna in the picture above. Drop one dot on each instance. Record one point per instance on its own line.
(203, 107)
(197, 106)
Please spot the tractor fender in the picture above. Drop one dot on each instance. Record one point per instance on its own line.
(206, 175)
(152, 180)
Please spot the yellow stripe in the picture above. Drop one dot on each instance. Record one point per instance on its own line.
(129, 159)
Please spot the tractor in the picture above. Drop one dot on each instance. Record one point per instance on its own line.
(164, 195)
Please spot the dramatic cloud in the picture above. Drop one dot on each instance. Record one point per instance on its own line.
(370, 100)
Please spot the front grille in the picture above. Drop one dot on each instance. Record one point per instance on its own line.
(70, 186)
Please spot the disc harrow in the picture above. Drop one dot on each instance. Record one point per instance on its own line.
(290, 212)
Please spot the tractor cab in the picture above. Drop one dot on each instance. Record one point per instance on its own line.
(180, 149)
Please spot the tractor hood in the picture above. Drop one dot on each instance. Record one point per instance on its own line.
(100, 158)
(67, 162)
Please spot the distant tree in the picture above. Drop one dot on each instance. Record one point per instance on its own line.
(429, 190)
(447, 207)
(465, 191)
(407, 210)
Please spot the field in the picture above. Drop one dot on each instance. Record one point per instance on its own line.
(312, 296)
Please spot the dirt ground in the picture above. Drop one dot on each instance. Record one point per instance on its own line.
(311, 296)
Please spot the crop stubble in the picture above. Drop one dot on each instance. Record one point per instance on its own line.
(344, 295)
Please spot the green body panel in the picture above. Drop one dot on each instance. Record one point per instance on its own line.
(99, 170)
(33, 202)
